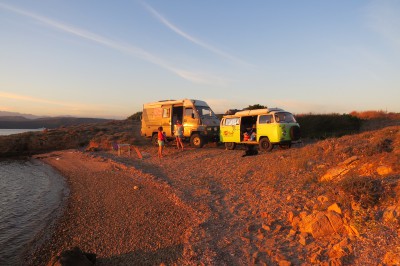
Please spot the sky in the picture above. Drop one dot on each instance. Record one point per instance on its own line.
(98, 58)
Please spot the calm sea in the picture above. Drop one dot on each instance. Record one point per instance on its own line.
(4, 132)
(31, 197)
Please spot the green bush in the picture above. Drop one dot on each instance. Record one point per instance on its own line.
(323, 126)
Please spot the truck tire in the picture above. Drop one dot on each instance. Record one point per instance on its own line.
(266, 145)
(196, 141)
(230, 145)
(154, 139)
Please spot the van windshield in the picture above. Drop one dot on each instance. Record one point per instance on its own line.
(204, 111)
(284, 117)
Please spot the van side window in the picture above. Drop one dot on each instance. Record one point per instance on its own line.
(265, 119)
(188, 111)
(165, 113)
(232, 121)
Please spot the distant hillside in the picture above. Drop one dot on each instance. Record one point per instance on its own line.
(15, 114)
(20, 122)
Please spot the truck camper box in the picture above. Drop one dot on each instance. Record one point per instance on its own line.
(200, 123)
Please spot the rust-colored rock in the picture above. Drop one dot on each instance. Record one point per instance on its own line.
(322, 224)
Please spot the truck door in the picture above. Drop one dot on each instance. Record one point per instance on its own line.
(190, 120)
(166, 118)
(230, 130)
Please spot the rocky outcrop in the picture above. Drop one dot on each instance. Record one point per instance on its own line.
(343, 168)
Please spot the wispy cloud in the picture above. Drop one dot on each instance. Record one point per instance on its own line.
(190, 38)
(121, 47)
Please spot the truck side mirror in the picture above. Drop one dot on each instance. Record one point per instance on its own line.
(193, 115)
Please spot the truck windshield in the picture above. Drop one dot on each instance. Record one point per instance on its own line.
(204, 111)
(284, 117)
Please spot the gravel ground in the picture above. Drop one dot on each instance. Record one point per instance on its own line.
(210, 206)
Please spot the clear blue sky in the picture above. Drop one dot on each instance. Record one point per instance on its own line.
(99, 58)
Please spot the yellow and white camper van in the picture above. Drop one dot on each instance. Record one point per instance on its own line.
(264, 127)
(199, 121)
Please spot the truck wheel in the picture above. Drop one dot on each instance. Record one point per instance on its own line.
(196, 141)
(266, 145)
(154, 139)
(230, 145)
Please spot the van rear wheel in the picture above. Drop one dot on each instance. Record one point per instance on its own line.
(230, 145)
(266, 145)
(196, 141)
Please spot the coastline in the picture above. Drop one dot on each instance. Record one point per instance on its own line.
(115, 211)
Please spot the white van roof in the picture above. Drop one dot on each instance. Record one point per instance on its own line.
(182, 101)
(258, 111)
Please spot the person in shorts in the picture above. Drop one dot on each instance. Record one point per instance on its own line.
(179, 135)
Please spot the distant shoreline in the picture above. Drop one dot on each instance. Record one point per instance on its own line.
(11, 131)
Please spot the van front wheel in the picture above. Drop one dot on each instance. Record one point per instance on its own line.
(196, 141)
(265, 144)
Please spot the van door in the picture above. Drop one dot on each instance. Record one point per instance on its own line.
(166, 119)
(230, 130)
(266, 127)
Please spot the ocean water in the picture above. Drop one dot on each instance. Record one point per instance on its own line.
(32, 195)
(4, 132)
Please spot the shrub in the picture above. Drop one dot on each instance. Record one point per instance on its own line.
(329, 125)
(366, 191)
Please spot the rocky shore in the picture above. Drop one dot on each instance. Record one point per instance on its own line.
(335, 202)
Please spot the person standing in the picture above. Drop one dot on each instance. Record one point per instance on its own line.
(179, 134)
(161, 142)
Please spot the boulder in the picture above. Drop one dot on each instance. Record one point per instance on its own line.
(321, 224)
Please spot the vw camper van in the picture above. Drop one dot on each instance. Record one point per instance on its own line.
(263, 127)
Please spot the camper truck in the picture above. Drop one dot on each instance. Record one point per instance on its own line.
(266, 128)
(200, 123)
